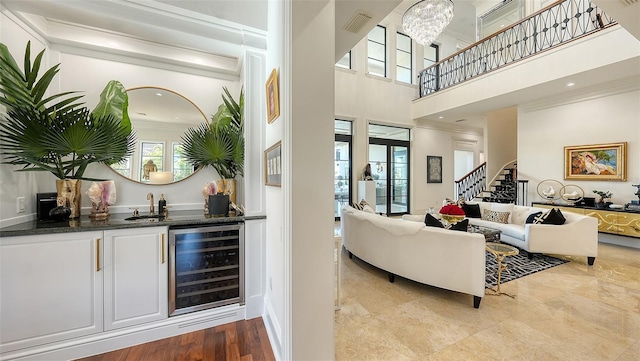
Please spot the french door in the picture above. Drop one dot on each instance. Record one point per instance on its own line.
(342, 166)
(389, 161)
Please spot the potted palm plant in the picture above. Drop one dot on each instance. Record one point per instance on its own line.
(56, 133)
(220, 144)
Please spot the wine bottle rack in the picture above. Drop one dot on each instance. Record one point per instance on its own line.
(206, 267)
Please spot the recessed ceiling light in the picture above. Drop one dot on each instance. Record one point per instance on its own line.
(440, 117)
(159, 94)
(571, 84)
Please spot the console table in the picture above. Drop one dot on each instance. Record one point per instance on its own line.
(615, 221)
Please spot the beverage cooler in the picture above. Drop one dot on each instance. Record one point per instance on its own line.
(206, 267)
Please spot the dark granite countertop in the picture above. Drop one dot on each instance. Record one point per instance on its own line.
(117, 221)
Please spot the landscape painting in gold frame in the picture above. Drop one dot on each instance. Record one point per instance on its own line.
(596, 162)
(273, 101)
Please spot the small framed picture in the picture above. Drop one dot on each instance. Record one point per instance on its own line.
(434, 169)
(272, 166)
(273, 101)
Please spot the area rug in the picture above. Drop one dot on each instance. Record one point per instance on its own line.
(519, 266)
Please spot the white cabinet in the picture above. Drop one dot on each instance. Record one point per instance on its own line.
(135, 276)
(61, 286)
(51, 288)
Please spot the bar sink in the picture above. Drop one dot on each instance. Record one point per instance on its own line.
(136, 218)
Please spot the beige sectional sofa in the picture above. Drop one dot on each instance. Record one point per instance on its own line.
(452, 260)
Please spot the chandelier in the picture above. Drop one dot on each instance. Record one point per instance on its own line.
(426, 19)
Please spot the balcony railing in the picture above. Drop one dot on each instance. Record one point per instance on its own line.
(557, 24)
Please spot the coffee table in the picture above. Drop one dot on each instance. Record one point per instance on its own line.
(500, 251)
(490, 234)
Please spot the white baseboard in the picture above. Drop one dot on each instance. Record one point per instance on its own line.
(273, 329)
(130, 336)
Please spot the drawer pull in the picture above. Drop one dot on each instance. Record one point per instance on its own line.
(162, 247)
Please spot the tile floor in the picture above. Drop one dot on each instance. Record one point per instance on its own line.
(569, 312)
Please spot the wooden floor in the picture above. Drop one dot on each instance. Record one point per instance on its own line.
(241, 340)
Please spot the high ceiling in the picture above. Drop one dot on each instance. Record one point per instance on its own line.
(214, 30)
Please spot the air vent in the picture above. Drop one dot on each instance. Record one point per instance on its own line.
(460, 120)
(357, 22)
(629, 2)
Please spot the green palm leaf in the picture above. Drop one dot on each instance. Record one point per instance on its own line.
(221, 143)
(55, 133)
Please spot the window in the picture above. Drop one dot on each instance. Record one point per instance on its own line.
(181, 167)
(124, 167)
(345, 62)
(377, 51)
(431, 55)
(151, 159)
(403, 58)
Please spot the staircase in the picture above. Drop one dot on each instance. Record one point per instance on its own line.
(502, 189)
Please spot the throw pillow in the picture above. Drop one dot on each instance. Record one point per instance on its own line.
(367, 208)
(535, 218)
(493, 216)
(357, 206)
(460, 226)
(432, 221)
(555, 217)
(471, 210)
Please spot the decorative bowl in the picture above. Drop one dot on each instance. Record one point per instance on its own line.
(451, 218)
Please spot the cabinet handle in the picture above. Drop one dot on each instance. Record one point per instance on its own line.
(97, 254)
(162, 246)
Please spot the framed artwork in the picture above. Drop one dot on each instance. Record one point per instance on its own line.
(273, 165)
(596, 162)
(273, 101)
(434, 169)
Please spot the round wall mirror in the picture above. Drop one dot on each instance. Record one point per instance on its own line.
(159, 117)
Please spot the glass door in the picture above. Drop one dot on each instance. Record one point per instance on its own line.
(390, 170)
(400, 179)
(379, 167)
(390, 160)
(341, 178)
(342, 166)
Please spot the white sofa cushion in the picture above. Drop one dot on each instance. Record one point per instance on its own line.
(512, 230)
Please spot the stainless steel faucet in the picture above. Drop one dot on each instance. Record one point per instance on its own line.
(151, 207)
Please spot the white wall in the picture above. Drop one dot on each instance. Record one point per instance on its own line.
(429, 141)
(309, 186)
(501, 140)
(18, 184)
(275, 257)
(604, 116)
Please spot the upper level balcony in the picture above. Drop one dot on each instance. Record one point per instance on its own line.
(569, 41)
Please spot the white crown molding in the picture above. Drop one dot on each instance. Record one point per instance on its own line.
(75, 36)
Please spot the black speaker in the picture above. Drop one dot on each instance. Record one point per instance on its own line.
(44, 203)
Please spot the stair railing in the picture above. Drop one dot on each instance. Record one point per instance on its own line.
(473, 183)
(552, 26)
